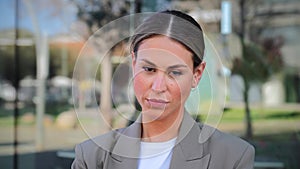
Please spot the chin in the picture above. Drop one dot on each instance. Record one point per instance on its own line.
(153, 114)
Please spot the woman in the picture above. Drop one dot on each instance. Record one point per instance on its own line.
(167, 60)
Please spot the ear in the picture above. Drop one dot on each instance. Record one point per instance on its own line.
(198, 72)
(133, 61)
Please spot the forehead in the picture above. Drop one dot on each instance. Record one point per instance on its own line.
(164, 49)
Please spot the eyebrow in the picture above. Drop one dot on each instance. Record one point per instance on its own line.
(170, 67)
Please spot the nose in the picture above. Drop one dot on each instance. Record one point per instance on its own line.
(159, 82)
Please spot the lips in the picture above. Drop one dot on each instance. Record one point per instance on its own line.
(157, 103)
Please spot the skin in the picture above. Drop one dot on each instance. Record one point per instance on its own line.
(163, 78)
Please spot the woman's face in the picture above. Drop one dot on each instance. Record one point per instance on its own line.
(163, 77)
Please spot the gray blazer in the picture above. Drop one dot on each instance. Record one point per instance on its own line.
(197, 147)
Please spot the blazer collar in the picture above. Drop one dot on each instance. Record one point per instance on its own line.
(127, 146)
(189, 151)
(188, 138)
(128, 143)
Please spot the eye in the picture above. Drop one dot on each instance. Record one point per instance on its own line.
(149, 69)
(175, 73)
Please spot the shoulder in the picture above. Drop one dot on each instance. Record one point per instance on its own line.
(228, 147)
(97, 146)
(102, 142)
(93, 152)
(229, 142)
(228, 139)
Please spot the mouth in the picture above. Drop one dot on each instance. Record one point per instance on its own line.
(157, 103)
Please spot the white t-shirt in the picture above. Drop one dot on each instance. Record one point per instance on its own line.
(156, 155)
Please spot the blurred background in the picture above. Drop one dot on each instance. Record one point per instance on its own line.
(252, 80)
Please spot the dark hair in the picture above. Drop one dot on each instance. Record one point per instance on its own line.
(183, 16)
(176, 25)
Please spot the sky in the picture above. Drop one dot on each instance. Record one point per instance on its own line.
(53, 16)
(51, 20)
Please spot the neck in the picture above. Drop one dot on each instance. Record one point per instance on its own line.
(162, 129)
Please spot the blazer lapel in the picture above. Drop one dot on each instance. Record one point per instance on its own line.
(189, 151)
(117, 162)
(125, 152)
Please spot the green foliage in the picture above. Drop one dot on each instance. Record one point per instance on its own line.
(252, 66)
(53, 109)
(257, 64)
(237, 115)
(27, 61)
(259, 61)
(7, 61)
(97, 13)
(27, 57)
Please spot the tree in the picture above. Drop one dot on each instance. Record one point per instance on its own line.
(92, 15)
(28, 66)
(257, 64)
(96, 13)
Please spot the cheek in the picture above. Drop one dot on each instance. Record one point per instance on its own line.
(181, 90)
(185, 93)
(140, 86)
(175, 90)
